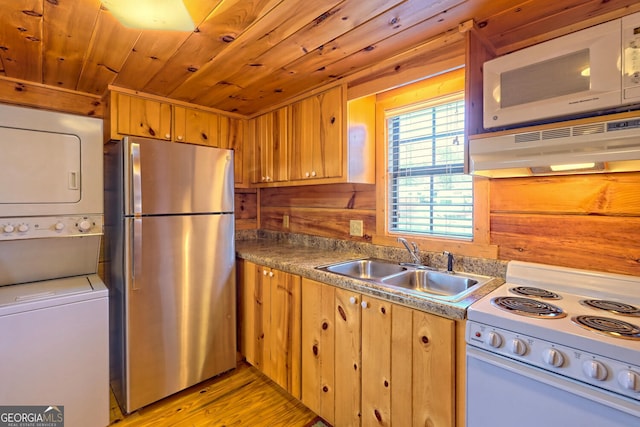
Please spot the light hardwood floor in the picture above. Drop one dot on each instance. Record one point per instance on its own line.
(243, 397)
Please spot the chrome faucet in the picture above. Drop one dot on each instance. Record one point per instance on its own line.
(413, 250)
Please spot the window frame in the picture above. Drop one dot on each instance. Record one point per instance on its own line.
(408, 96)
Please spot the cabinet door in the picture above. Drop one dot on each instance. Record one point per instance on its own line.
(254, 314)
(347, 357)
(231, 136)
(140, 117)
(318, 348)
(284, 331)
(434, 370)
(271, 147)
(317, 136)
(196, 126)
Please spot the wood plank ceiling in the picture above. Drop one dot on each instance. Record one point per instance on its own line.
(247, 55)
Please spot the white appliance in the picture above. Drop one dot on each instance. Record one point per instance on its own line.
(594, 69)
(606, 146)
(53, 306)
(555, 346)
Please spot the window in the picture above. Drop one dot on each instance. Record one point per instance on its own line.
(428, 193)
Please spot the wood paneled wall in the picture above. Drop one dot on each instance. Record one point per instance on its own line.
(321, 210)
(582, 221)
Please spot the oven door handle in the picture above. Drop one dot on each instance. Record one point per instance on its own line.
(553, 380)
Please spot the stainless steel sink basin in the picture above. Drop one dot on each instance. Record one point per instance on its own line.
(416, 280)
(365, 268)
(435, 283)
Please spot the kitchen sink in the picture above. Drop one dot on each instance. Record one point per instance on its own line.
(365, 268)
(434, 283)
(417, 280)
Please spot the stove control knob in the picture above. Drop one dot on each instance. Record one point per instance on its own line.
(23, 228)
(8, 228)
(629, 380)
(553, 357)
(518, 347)
(493, 340)
(59, 226)
(595, 370)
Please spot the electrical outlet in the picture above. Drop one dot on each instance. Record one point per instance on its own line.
(355, 227)
(285, 221)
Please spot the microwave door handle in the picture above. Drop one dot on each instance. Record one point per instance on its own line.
(136, 190)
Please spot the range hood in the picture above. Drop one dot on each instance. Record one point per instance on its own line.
(608, 146)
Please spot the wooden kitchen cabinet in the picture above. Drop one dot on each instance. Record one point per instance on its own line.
(370, 362)
(271, 142)
(270, 323)
(231, 136)
(196, 126)
(135, 116)
(317, 134)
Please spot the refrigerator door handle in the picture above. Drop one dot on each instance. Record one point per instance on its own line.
(136, 191)
(136, 240)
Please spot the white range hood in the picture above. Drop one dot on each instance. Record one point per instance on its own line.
(609, 146)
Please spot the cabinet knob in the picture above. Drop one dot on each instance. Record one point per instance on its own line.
(307, 174)
(264, 272)
(268, 179)
(353, 300)
(364, 304)
(271, 274)
(167, 136)
(313, 173)
(179, 138)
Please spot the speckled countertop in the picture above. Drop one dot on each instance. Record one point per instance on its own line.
(301, 256)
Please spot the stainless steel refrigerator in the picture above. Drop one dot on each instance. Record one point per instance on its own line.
(170, 266)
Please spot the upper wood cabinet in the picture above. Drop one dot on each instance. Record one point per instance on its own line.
(271, 145)
(232, 136)
(317, 135)
(132, 115)
(322, 139)
(196, 126)
(270, 323)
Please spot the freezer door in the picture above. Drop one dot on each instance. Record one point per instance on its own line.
(163, 177)
(180, 308)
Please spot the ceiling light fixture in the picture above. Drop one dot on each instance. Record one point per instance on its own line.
(151, 14)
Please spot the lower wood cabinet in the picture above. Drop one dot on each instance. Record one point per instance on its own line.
(370, 362)
(270, 323)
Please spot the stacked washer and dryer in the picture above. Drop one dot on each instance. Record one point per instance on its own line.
(53, 306)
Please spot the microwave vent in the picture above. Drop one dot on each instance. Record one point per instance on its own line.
(556, 133)
(527, 137)
(591, 129)
(612, 146)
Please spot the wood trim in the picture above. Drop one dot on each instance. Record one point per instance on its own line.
(29, 94)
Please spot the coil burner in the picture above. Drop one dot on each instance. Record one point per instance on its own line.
(614, 307)
(529, 291)
(608, 326)
(528, 307)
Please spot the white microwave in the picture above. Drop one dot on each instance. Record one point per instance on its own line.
(593, 70)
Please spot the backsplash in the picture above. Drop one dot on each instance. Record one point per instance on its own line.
(487, 267)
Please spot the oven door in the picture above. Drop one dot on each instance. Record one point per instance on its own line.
(502, 392)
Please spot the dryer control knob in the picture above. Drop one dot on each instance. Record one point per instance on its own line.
(84, 225)
(8, 228)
